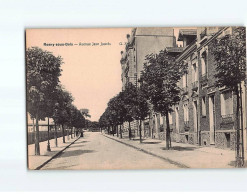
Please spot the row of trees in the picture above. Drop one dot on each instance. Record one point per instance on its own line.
(129, 105)
(158, 90)
(45, 95)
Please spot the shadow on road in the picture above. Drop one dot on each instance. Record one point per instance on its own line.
(69, 153)
(179, 148)
(151, 142)
(79, 142)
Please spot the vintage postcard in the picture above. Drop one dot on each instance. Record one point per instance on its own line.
(136, 98)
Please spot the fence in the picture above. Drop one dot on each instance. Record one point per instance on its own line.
(43, 136)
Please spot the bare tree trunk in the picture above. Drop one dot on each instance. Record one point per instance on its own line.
(113, 130)
(37, 148)
(55, 134)
(121, 136)
(140, 130)
(168, 136)
(117, 131)
(63, 134)
(239, 141)
(71, 133)
(48, 140)
(129, 131)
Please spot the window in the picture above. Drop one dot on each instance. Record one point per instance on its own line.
(185, 79)
(194, 73)
(204, 63)
(226, 104)
(186, 112)
(203, 106)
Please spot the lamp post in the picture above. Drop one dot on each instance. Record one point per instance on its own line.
(48, 141)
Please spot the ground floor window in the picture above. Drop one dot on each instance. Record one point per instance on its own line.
(226, 104)
(203, 106)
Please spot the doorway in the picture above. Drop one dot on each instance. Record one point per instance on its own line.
(212, 119)
(195, 120)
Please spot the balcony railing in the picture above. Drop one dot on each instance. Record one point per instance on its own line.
(185, 90)
(186, 126)
(195, 85)
(227, 118)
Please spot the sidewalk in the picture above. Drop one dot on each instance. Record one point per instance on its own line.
(34, 162)
(184, 155)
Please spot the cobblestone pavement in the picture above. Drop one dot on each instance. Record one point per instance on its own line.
(96, 151)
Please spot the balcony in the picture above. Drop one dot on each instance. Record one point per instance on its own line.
(226, 119)
(186, 126)
(195, 86)
(185, 90)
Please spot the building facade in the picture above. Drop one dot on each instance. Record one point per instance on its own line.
(141, 42)
(205, 114)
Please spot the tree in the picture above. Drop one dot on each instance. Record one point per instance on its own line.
(141, 108)
(85, 112)
(78, 120)
(61, 113)
(161, 74)
(121, 111)
(51, 102)
(103, 121)
(72, 112)
(43, 71)
(112, 113)
(229, 53)
(117, 111)
(129, 95)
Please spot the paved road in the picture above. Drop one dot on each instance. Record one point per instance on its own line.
(96, 151)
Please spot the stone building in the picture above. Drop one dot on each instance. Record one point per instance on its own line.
(141, 42)
(204, 116)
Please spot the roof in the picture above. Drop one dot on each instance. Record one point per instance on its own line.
(186, 32)
(154, 31)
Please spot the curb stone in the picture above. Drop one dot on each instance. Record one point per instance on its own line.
(180, 165)
(57, 154)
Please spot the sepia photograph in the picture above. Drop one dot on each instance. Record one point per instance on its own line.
(136, 98)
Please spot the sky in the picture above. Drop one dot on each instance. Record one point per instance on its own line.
(91, 73)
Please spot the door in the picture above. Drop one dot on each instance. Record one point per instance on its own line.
(212, 119)
(195, 120)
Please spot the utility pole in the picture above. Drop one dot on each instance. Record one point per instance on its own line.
(239, 130)
(48, 141)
